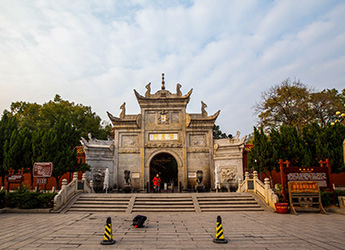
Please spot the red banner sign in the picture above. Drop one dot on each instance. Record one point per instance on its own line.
(42, 169)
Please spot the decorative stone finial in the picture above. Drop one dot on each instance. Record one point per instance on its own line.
(163, 86)
(203, 109)
(148, 91)
(123, 110)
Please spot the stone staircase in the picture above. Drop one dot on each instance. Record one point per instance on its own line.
(228, 203)
(165, 202)
(101, 203)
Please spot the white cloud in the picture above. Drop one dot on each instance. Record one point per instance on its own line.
(96, 53)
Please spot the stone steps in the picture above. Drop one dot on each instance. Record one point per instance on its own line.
(163, 203)
(175, 202)
(236, 202)
(101, 203)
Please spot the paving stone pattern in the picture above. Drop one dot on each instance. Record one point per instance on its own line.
(244, 230)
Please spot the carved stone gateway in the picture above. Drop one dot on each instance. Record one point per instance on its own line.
(164, 128)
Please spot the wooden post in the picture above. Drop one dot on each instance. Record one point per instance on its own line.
(282, 176)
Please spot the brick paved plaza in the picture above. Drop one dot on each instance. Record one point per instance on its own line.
(250, 230)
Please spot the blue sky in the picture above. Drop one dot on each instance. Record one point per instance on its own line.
(229, 52)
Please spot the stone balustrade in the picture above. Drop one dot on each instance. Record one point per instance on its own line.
(262, 189)
(69, 190)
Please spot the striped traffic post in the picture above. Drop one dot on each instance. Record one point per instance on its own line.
(219, 232)
(108, 234)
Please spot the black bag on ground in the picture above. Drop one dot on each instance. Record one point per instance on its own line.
(139, 220)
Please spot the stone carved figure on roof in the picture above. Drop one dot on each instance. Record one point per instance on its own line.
(123, 110)
(178, 89)
(237, 137)
(148, 91)
(203, 109)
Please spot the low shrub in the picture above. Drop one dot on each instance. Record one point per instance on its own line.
(46, 200)
(326, 198)
(2, 199)
(28, 200)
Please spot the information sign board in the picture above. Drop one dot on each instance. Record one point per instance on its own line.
(41, 181)
(42, 169)
(305, 196)
(15, 178)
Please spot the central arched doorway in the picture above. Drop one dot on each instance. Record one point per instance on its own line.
(166, 166)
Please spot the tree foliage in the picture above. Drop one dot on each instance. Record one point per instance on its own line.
(35, 117)
(293, 103)
(301, 148)
(218, 134)
(261, 156)
(8, 126)
(56, 145)
(31, 133)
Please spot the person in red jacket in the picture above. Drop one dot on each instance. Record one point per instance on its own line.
(156, 181)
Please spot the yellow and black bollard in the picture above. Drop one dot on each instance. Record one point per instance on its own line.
(219, 232)
(108, 234)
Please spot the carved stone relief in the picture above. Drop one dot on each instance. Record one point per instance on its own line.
(151, 117)
(198, 150)
(129, 151)
(228, 174)
(163, 117)
(129, 141)
(197, 140)
(175, 117)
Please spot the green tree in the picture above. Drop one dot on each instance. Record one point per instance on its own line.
(218, 134)
(329, 145)
(35, 117)
(261, 155)
(18, 153)
(8, 126)
(291, 146)
(326, 104)
(293, 103)
(57, 145)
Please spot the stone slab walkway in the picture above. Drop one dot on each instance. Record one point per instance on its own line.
(244, 230)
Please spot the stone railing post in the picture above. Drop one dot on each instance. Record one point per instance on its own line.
(53, 189)
(246, 179)
(91, 186)
(239, 185)
(255, 177)
(75, 180)
(267, 188)
(83, 178)
(75, 176)
(63, 188)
